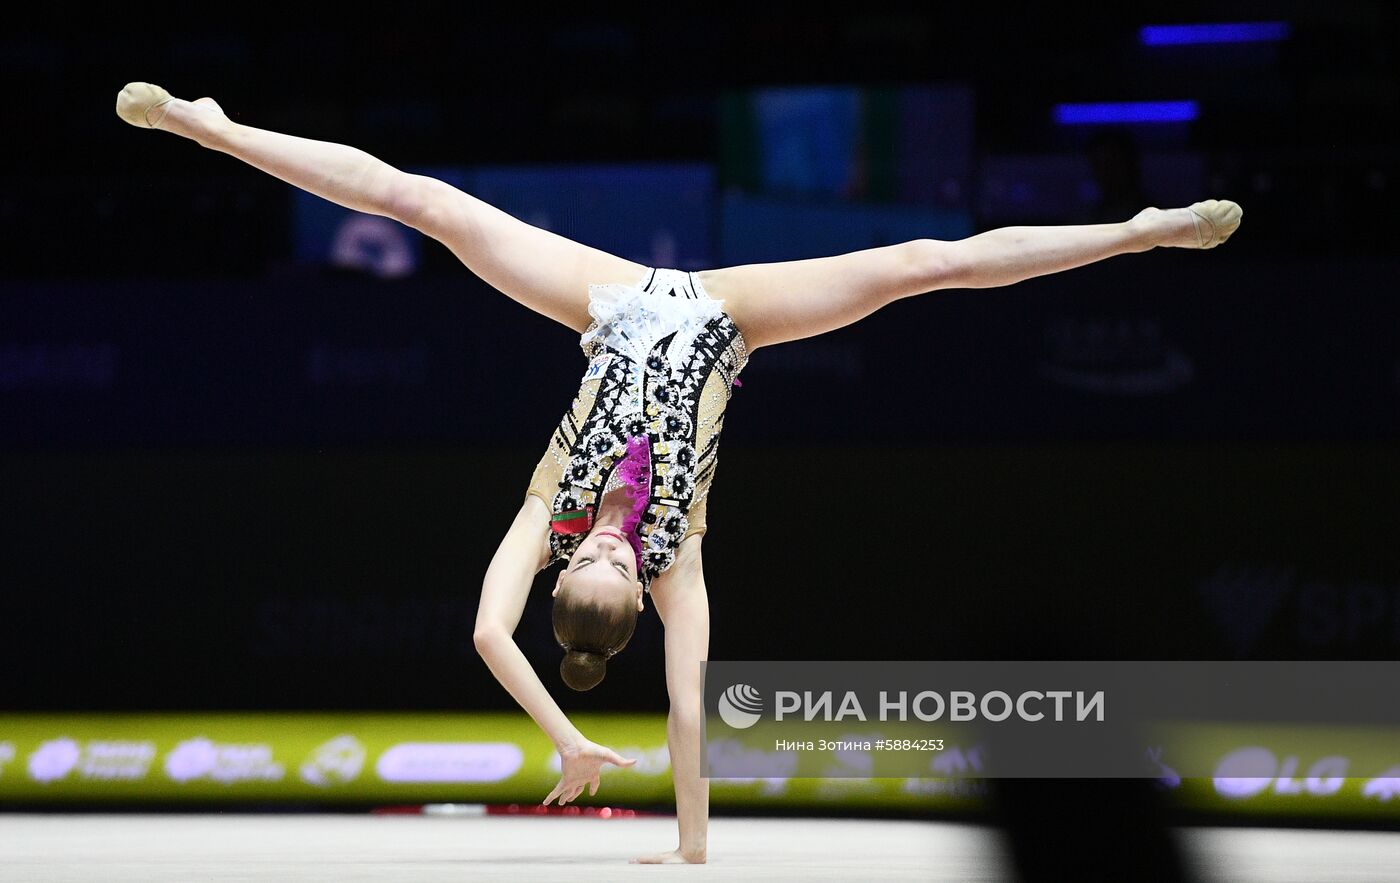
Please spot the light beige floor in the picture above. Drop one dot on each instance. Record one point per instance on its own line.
(225, 847)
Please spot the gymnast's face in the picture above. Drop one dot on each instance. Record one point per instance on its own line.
(603, 568)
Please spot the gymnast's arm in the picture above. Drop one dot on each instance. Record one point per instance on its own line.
(523, 553)
(684, 607)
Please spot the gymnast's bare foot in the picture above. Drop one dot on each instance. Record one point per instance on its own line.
(148, 106)
(1203, 224)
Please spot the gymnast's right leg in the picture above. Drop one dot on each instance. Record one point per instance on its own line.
(546, 272)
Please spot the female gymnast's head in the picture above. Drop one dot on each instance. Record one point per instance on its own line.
(596, 600)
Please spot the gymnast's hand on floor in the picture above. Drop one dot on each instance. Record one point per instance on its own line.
(674, 857)
(582, 765)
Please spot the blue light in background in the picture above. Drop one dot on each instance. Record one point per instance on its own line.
(1241, 32)
(1125, 112)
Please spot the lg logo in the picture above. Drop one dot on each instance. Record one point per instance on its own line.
(1247, 772)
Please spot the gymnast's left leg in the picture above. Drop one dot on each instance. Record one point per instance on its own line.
(789, 300)
(541, 270)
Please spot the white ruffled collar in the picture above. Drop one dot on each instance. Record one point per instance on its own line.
(632, 321)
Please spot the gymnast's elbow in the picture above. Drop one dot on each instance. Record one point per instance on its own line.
(488, 637)
(684, 716)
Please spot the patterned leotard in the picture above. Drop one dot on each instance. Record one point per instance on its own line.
(664, 359)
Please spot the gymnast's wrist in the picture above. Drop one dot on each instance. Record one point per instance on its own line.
(569, 741)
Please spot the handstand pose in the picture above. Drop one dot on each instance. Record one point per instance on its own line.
(620, 493)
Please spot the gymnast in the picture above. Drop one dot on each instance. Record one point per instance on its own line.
(620, 493)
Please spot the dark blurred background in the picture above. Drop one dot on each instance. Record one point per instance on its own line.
(256, 451)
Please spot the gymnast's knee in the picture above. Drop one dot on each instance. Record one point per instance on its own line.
(931, 264)
(420, 201)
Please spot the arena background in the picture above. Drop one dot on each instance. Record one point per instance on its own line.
(256, 451)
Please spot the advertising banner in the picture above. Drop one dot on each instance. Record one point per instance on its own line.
(504, 758)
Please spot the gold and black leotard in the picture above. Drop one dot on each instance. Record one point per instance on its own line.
(663, 360)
